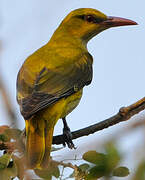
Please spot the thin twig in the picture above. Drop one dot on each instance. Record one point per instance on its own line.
(69, 165)
(61, 174)
(124, 114)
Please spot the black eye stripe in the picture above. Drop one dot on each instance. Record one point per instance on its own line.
(98, 20)
(90, 18)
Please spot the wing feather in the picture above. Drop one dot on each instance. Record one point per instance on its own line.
(51, 85)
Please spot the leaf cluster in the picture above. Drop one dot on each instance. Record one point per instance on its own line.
(102, 164)
(11, 166)
(95, 165)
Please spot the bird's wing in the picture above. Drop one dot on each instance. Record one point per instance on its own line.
(53, 84)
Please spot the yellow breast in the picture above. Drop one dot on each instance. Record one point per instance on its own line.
(62, 108)
(71, 103)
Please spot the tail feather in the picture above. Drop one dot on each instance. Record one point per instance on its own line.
(35, 142)
(39, 134)
(48, 143)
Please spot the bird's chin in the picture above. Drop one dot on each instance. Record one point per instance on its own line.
(117, 21)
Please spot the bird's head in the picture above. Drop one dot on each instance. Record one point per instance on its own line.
(85, 23)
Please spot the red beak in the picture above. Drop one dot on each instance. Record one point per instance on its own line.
(117, 21)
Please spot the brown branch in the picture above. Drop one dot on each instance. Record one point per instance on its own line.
(124, 114)
(63, 164)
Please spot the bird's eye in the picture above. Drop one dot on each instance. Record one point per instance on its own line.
(89, 18)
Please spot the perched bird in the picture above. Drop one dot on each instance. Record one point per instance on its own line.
(50, 82)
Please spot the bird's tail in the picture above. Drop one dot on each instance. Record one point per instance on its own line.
(49, 127)
(35, 141)
(38, 142)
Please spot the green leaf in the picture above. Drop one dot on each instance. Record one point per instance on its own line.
(4, 160)
(47, 174)
(112, 156)
(96, 172)
(84, 167)
(56, 172)
(9, 172)
(95, 157)
(80, 171)
(121, 172)
(4, 138)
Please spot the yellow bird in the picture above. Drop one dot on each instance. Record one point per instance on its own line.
(51, 80)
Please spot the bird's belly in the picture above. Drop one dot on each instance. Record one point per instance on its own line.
(61, 108)
(71, 103)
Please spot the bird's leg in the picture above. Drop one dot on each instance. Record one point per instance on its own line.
(67, 135)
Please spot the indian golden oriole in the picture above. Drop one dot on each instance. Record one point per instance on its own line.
(51, 80)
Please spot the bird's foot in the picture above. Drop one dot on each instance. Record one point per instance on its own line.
(67, 136)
